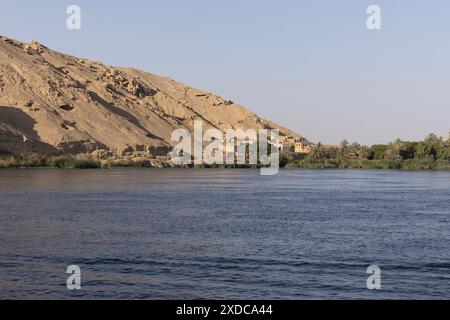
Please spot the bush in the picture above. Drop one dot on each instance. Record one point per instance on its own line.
(418, 164)
(442, 165)
(87, 164)
(65, 162)
(30, 161)
(127, 164)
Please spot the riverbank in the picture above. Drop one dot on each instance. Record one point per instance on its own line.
(64, 162)
(67, 162)
(410, 164)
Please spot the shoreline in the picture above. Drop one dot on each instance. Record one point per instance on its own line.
(70, 162)
(410, 164)
(223, 167)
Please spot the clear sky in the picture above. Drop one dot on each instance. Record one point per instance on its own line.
(310, 65)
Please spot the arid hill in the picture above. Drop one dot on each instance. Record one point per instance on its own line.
(52, 103)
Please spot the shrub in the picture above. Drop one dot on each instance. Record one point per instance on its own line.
(127, 164)
(29, 161)
(65, 162)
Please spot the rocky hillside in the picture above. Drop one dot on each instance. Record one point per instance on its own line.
(52, 103)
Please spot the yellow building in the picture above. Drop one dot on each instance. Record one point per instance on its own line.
(302, 147)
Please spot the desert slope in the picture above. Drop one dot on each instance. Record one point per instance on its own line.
(52, 103)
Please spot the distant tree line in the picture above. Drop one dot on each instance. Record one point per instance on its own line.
(431, 153)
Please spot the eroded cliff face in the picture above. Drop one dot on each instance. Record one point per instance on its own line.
(52, 103)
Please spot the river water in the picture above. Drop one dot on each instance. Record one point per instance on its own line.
(224, 234)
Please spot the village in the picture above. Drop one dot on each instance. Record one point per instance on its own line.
(294, 145)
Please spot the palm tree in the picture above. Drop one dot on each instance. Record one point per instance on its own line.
(318, 152)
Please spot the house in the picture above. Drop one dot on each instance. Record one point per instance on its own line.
(288, 144)
(302, 147)
(280, 145)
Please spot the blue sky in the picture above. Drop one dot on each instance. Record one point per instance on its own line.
(310, 65)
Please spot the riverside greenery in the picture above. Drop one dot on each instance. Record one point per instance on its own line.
(68, 162)
(61, 162)
(432, 153)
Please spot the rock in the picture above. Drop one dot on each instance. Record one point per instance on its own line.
(28, 104)
(68, 124)
(66, 107)
(30, 50)
(36, 46)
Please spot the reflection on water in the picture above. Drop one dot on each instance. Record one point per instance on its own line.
(186, 234)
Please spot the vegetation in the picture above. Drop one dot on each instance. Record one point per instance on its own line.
(127, 164)
(37, 161)
(431, 153)
(72, 163)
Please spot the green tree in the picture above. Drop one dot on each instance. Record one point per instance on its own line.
(318, 153)
(431, 148)
(408, 150)
(378, 152)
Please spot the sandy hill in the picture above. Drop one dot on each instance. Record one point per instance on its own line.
(52, 103)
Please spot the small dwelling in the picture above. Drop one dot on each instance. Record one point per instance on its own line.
(302, 147)
(287, 144)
